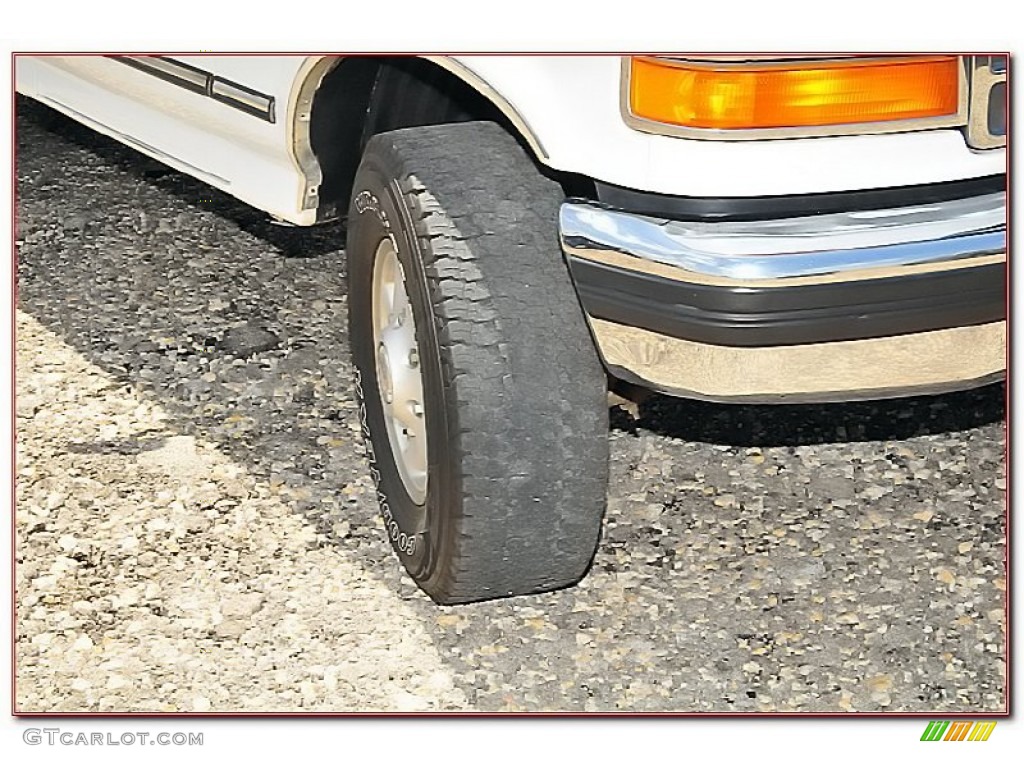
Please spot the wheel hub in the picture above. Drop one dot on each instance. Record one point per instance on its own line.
(399, 380)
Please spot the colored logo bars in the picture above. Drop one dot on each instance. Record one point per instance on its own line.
(958, 730)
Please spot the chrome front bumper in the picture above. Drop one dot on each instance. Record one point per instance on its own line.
(856, 305)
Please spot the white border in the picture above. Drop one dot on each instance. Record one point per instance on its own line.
(404, 25)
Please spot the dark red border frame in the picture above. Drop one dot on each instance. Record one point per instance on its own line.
(1006, 713)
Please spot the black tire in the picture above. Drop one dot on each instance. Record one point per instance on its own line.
(515, 396)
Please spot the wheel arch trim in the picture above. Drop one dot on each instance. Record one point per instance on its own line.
(485, 89)
(297, 123)
(310, 76)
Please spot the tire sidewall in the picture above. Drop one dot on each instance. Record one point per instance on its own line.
(418, 533)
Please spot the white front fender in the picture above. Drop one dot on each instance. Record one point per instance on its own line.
(569, 110)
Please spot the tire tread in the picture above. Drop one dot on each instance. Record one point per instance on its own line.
(525, 380)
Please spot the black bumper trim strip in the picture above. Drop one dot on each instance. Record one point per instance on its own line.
(791, 206)
(739, 316)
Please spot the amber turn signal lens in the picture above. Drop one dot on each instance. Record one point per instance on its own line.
(805, 93)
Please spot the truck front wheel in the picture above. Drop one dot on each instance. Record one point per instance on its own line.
(482, 398)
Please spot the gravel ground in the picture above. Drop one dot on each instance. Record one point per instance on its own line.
(196, 527)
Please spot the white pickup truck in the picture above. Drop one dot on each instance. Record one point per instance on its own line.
(523, 230)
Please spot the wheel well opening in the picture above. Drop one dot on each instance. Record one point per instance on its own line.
(363, 96)
(366, 95)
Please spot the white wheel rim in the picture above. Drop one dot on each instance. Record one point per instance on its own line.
(399, 378)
